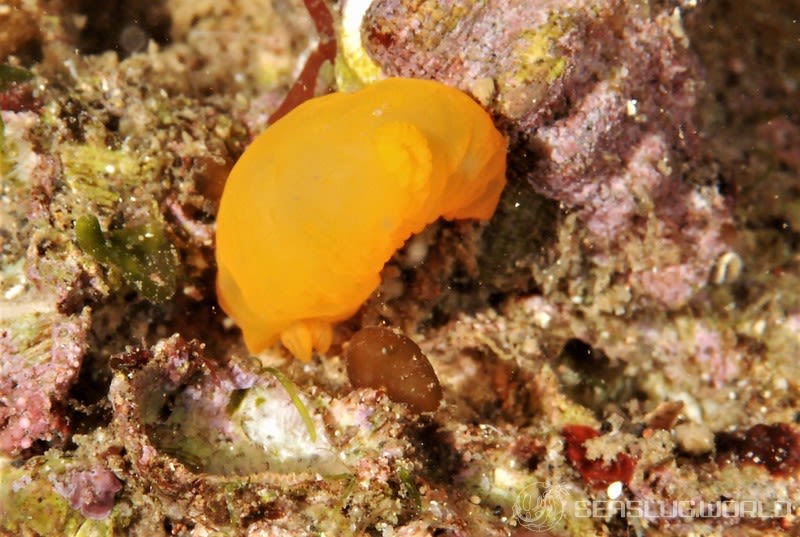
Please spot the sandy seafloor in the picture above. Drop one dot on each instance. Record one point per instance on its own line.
(618, 347)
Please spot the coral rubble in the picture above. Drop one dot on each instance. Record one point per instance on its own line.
(623, 332)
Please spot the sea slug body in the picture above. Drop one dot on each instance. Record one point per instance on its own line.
(322, 199)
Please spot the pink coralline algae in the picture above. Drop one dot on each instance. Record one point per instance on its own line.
(598, 98)
(34, 382)
(91, 492)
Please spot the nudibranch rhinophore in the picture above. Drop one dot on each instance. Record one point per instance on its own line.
(320, 201)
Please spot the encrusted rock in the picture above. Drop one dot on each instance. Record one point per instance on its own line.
(224, 445)
(41, 353)
(598, 98)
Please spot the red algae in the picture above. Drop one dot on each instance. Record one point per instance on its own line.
(596, 473)
(304, 87)
(776, 447)
(18, 98)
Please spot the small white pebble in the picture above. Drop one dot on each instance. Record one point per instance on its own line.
(759, 326)
(728, 268)
(483, 89)
(542, 319)
(614, 490)
(694, 438)
(529, 346)
(417, 250)
(14, 292)
(475, 499)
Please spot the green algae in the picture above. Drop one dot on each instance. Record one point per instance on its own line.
(96, 528)
(410, 487)
(12, 75)
(348, 77)
(32, 336)
(30, 505)
(536, 61)
(143, 255)
(535, 53)
(437, 20)
(97, 174)
(291, 389)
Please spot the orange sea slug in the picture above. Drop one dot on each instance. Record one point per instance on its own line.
(322, 199)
